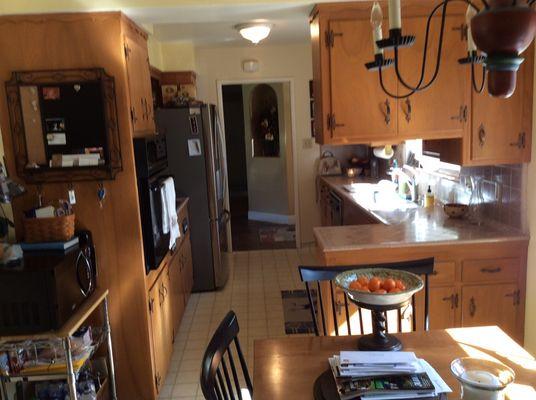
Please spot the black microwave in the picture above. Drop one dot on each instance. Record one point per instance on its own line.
(151, 171)
(44, 290)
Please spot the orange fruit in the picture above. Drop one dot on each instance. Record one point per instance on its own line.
(389, 284)
(395, 290)
(400, 285)
(363, 280)
(374, 284)
(380, 291)
(365, 289)
(355, 285)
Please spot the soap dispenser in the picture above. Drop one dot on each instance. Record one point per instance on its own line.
(429, 198)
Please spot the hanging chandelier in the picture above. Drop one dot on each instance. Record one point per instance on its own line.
(496, 36)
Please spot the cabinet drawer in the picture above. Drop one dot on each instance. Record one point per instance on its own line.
(444, 272)
(499, 269)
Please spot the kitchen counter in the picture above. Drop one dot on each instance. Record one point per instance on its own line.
(404, 226)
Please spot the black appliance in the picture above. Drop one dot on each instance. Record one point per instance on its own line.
(151, 170)
(43, 291)
(196, 140)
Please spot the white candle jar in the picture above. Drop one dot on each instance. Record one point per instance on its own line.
(481, 379)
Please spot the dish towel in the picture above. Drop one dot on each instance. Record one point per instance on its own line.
(170, 223)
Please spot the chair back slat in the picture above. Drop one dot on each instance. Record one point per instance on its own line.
(321, 307)
(215, 379)
(312, 274)
(347, 312)
(312, 308)
(235, 375)
(334, 308)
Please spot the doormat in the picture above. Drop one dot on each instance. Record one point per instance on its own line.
(271, 235)
(297, 311)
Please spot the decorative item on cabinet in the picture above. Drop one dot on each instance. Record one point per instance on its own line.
(64, 125)
(184, 81)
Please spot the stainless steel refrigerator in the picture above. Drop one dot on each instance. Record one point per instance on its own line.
(195, 145)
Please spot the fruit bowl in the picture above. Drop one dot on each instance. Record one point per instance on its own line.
(455, 210)
(412, 284)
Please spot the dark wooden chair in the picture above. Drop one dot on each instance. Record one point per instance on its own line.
(219, 378)
(314, 276)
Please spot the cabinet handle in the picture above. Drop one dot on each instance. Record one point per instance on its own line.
(482, 135)
(450, 298)
(387, 113)
(521, 141)
(462, 115)
(491, 270)
(472, 307)
(456, 300)
(407, 112)
(516, 297)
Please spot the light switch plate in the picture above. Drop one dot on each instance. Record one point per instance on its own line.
(308, 143)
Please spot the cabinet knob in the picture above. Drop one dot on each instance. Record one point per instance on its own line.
(472, 307)
(482, 135)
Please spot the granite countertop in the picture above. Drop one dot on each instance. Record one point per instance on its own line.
(405, 226)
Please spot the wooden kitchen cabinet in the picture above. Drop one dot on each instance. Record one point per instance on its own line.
(443, 109)
(177, 291)
(187, 271)
(444, 303)
(491, 305)
(139, 78)
(160, 310)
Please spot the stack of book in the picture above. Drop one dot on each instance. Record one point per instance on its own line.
(378, 375)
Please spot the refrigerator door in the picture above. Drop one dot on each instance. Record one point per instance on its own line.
(186, 147)
(219, 250)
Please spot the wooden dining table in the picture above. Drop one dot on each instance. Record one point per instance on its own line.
(286, 368)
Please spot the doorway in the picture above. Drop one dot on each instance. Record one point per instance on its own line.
(258, 126)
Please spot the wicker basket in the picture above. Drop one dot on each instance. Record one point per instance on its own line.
(55, 229)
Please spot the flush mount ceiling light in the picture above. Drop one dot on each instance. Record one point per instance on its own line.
(254, 32)
(496, 36)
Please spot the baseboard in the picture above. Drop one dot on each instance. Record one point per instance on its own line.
(273, 218)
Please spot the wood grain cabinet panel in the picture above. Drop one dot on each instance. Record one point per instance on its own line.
(444, 305)
(360, 110)
(442, 110)
(178, 298)
(444, 273)
(491, 305)
(499, 269)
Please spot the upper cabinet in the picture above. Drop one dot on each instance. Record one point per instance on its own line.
(360, 110)
(442, 110)
(351, 107)
(139, 82)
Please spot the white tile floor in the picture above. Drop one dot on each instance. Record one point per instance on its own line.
(254, 293)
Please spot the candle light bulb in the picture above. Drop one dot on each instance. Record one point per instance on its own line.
(395, 17)
(470, 13)
(376, 19)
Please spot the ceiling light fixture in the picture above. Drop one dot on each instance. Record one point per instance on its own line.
(502, 30)
(254, 32)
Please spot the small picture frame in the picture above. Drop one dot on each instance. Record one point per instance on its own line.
(169, 93)
(51, 93)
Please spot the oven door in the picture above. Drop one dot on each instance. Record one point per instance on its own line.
(160, 240)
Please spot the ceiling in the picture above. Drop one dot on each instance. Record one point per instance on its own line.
(214, 25)
(203, 22)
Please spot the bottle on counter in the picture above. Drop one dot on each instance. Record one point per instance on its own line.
(429, 198)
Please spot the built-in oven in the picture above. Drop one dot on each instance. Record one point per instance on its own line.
(151, 171)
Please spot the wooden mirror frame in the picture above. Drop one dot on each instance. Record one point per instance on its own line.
(68, 174)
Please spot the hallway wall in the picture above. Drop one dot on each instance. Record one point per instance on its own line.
(288, 61)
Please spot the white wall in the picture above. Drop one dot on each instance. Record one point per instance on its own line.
(289, 61)
(530, 311)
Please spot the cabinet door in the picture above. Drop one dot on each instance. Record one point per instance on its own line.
(441, 110)
(491, 305)
(188, 270)
(443, 307)
(139, 82)
(176, 291)
(361, 111)
(502, 128)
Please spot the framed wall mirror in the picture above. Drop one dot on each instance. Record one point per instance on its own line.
(64, 125)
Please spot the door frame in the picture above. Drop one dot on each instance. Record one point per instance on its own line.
(222, 82)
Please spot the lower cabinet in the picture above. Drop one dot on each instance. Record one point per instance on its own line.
(443, 307)
(491, 305)
(168, 297)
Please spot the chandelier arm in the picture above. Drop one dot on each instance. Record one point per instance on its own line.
(388, 93)
(478, 88)
(420, 86)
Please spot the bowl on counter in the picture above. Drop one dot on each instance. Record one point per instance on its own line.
(455, 210)
(353, 172)
(412, 282)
